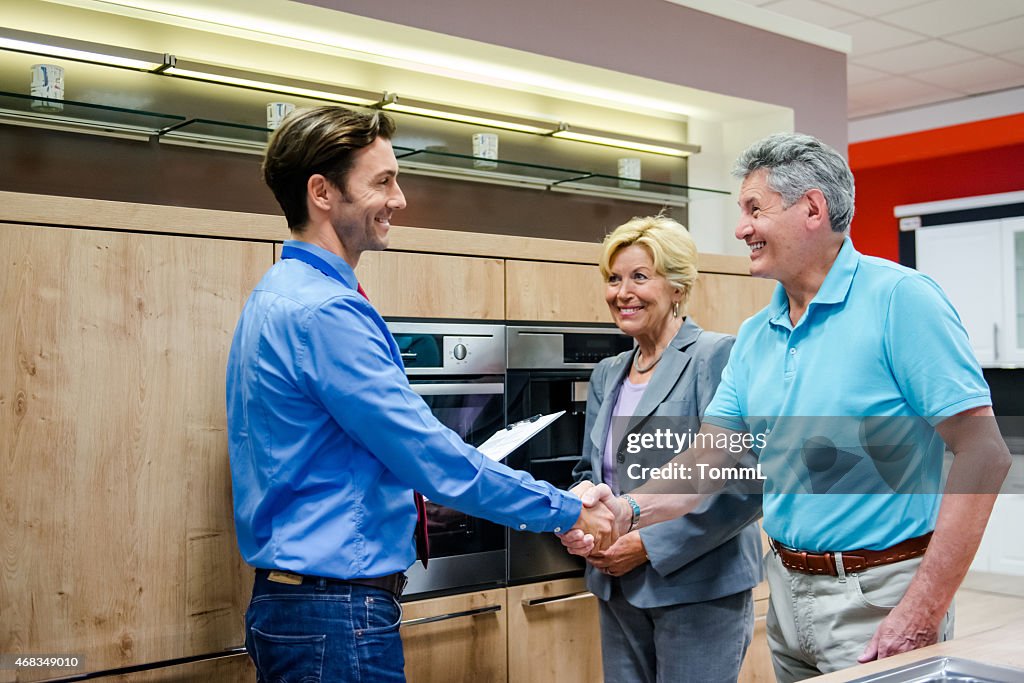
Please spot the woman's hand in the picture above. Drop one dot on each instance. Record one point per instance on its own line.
(622, 557)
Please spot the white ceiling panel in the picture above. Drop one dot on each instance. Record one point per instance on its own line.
(873, 36)
(1016, 56)
(872, 8)
(815, 12)
(992, 39)
(942, 17)
(900, 88)
(966, 74)
(986, 87)
(872, 108)
(856, 74)
(907, 53)
(917, 57)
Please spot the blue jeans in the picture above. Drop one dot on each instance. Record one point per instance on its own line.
(324, 631)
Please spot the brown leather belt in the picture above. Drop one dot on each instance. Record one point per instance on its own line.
(393, 583)
(853, 560)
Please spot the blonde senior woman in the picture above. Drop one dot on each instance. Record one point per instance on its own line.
(675, 597)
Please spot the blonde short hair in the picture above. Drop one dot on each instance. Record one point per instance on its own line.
(672, 250)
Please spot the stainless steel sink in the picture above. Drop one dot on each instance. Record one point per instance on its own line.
(947, 669)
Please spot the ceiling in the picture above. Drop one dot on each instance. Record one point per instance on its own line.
(908, 53)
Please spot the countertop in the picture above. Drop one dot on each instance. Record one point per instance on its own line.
(999, 645)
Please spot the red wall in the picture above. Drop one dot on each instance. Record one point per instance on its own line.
(983, 157)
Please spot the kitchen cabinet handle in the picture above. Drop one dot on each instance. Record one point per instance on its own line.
(452, 615)
(536, 602)
(459, 389)
(995, 340)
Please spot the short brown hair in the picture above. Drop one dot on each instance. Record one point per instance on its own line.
(319, 140)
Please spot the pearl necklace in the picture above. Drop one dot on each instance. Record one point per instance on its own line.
(636, 363)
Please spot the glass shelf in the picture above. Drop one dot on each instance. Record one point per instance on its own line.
(82, 117)
(206, 133)
(231, 137)
(517, 173)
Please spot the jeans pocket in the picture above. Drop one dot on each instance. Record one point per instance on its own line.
(288, 659)
(383, 613)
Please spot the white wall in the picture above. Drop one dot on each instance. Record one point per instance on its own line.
(713, 219)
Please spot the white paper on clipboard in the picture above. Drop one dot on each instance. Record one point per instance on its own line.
(507, 439)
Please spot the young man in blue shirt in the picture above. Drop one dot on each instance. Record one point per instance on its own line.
(327, 440)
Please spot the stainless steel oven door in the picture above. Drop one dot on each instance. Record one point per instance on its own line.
(465, 552)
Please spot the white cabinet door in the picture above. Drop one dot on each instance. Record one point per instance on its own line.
(1002, 550)
(965, 260)
(1012, 337)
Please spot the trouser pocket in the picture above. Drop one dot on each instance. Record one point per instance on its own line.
(287, 658)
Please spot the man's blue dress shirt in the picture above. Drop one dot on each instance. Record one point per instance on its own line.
(328, 441)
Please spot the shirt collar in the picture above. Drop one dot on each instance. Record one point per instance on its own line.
(348, 275)
(832, 291)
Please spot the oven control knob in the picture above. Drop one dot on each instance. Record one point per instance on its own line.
(459, 352)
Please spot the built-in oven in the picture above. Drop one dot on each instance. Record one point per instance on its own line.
(459, 371)
(548, 371)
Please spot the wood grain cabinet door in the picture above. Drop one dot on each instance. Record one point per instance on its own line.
(554, 292)
(554, 634)
(118, 541)
(403, 284)
(457, 638)
(721, 302)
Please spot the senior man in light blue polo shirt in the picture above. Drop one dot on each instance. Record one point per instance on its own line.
(854, 378)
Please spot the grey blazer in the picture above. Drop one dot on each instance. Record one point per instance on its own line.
(715, 550)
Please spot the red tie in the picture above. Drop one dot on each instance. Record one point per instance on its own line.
(422, 542)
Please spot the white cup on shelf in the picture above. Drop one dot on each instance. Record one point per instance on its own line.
(485, 148)
(48, 82)
(629, 173)
(276, 112)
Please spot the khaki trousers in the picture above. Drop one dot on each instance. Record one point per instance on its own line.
(819, 624)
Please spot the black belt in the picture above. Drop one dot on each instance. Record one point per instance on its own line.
(393, 583)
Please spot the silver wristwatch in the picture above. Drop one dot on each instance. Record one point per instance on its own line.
(635, 521)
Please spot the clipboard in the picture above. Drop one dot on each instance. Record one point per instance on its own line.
(509, 438)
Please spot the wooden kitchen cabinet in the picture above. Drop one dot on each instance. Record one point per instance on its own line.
(408, 285)
(569, 292)
(233, 669)
(456, 638)
(554, 292)
(720, 302)
(118, 540)
(554, 634)
(757, 665)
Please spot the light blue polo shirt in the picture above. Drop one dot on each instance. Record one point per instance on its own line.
(877, 341)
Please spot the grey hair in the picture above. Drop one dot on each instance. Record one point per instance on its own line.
(797, 163)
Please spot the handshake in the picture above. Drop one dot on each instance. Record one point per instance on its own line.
(602, 520)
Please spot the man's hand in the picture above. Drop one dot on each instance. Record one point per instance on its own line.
(902, 630)
(581, 541)
(622, 557)
(597, 521)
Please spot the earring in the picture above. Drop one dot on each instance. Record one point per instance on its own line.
(675, 309)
